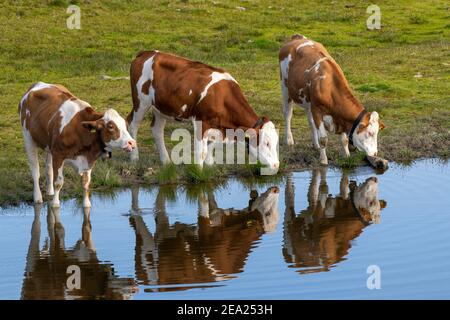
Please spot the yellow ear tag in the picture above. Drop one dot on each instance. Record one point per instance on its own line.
(93, 130)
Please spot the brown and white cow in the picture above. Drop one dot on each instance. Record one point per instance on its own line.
(176, 88)
(311, 78)
(70, 131)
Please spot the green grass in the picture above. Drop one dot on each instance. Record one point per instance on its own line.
(381, 65)
(351, 162)
(167, 174)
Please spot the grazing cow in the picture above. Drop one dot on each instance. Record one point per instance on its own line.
(322, 234)
(176, 88)
(311, 78)
(70, 131)
(212, 250)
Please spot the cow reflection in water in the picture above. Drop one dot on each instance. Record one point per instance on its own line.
(321, 235)
(212, 250)
(46, 270)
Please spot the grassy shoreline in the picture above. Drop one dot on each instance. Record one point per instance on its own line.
(402, 71)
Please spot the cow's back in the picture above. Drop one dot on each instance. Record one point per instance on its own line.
(38, 110)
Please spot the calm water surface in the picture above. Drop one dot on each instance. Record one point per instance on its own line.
(310, 235)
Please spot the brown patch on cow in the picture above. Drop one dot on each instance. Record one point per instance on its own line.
(146, 87)
(111, 132)
(364, 123)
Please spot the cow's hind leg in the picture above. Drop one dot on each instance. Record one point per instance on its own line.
(49, 174)
(158, 124)
(287, 113)
(33, 161)
(312, 125)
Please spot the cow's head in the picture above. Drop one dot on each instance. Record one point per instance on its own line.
(267, 205)
(366, 134)
(267, 151)
(365, 199)
(113, 131)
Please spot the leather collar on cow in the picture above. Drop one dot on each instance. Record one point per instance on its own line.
(260, 122)
(105, 152)
(355, 125)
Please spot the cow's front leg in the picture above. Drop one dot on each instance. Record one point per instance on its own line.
(200, 151)
(85, 182)
(57, 182)
(200, 143)
(158, 124)
(344, 145)
(49, 174)
(136, 120)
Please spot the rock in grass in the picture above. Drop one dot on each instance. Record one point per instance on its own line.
(378, 163)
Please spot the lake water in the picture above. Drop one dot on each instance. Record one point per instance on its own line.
(310, 235)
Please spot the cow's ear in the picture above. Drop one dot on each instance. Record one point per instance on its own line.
(373, 118)
(381, 125)
(92, 125)
(383, 204)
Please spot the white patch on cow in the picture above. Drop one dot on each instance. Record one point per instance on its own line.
(316, 65)
(147, 75)
(190, 92)
(329, 124)
(183, 108)
(304, 44)
(215, 77)
(268, 146)
(36, 87)
(124, 137)
(303, 101)
(80, 163)
(366, 140)
(322, 132)
(284, 67)
(68, 110)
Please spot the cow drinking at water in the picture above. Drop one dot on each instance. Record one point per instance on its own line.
(70, 131)
(311, 78)
(176, 88)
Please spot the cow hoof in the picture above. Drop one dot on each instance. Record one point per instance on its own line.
(289, 142)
